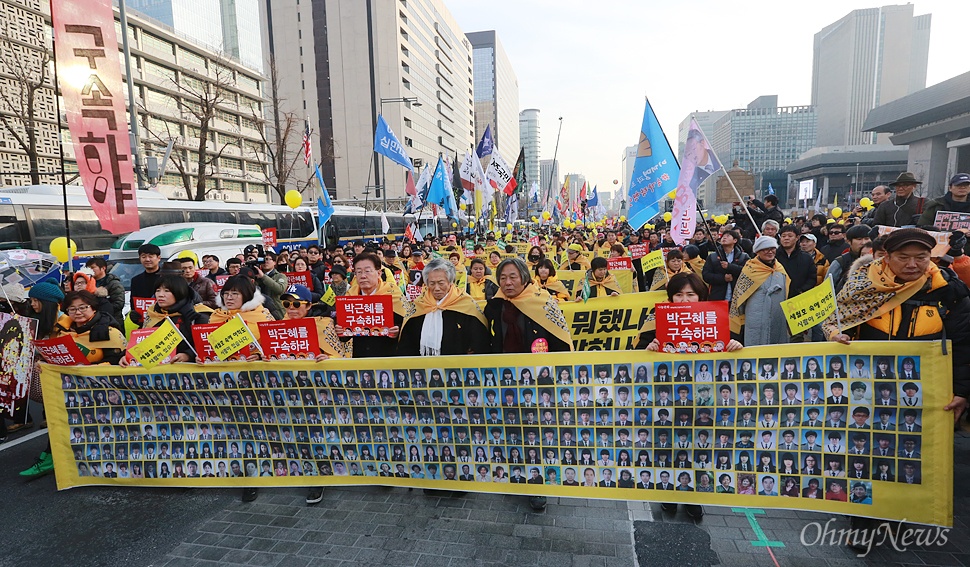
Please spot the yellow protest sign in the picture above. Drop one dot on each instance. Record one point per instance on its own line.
(652, 260)
(159, 345)
(230, 338)
(329, 297)
(810, 308)
(609, 323)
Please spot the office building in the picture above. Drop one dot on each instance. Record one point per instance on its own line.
(230, 27)
(551, 182)
(866, 59)
(764, 138)
(416, 52)
(496, 93)
(529, 140)
(165, 62)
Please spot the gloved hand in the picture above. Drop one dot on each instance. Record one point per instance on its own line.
(958, 241)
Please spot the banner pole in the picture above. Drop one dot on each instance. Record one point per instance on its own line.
(60, 146)
(838, 319)
(187, 342)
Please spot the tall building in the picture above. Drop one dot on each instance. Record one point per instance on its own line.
(551, 182)
(342, 59)
(764, 138)
(626, 163)
(496, 92)
(529, 139)
(166, 63)
(868, 58)
(231, 27)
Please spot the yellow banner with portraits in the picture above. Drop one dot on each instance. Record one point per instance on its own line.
(609, 323)
(855, 430)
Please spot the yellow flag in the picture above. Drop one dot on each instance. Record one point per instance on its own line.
(810, 308)
(652, 260)
(330, 297)
(158, 345)
(230, 338)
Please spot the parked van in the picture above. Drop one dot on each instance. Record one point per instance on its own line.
(221, 239)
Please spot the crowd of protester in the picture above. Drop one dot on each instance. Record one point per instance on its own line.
(501, 303)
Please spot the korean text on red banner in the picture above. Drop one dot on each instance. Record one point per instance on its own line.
(200, 338)
(62, 351)
(363, 316)
(693, 327)
(282, 340)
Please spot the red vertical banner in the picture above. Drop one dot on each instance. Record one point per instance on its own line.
(89, 75)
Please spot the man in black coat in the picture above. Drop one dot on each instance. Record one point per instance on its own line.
(143, 285)
(799, 265)
(723, 268)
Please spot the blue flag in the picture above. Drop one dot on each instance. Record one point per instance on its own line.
(594, 200)
(655, 172)
(485, 146)
(386, 144)
(771, 190)
(324, 206)
(438, 190)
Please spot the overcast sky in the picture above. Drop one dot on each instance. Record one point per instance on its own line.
(592, 62)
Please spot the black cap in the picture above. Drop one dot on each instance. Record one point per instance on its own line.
(857, 231)
(906, 236)
(149, 249)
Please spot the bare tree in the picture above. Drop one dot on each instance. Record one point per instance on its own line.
(27, 68)
(199, 100)
(279, 133)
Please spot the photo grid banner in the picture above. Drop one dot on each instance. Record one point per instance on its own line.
(855, 430)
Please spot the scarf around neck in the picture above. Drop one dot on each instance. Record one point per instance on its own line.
(543, 309)
(753, 275)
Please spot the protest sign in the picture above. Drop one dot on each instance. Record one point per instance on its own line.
(269, 237)
(652, 260)
(302, 278)
(638, 251)
(609, 323)
(143, 304)
(17, 358)
(62, 351)
(365, 316)
(306, 402)
(702, 326)
(200, 338)
(621, 263)
(230, 338)
(289, 339)
(154, 346)
(950, 220)
(810, 308)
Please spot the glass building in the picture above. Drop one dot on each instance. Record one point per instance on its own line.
(496, 93)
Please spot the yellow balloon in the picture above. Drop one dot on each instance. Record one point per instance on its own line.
(189, 254)
(454, 225)
(462, 206)
(59, 249)
(508, 226)
(622, 219)
(471, 224)
(667, 217)
(787, 220)
(293, 198)
(837, 212)
(546, 215)
(535, 219)
(865, 202)
(672, 194)
(830, 221)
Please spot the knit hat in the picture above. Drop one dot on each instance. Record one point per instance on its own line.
(338, 270)
(764, 243)
(46, 291)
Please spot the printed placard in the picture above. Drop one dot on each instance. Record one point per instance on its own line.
(638, 251)
(289, 339)
(950, 220)
(62, 351)
(301, 278)
(693, 327)
(139, 335)
(365, 316)
(622, 263)
(200, 338)
(143, 304)
(269, 237)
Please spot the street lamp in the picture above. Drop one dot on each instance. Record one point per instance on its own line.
(410, 101)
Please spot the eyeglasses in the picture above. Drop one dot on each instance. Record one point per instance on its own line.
(78, 309)
(295, 304)
(835, 232)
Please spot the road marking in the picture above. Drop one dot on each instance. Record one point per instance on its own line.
(20, 440)
(762, 540)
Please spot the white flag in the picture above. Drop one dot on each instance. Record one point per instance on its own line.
(469, 176)
(385, 226)
(499, 174)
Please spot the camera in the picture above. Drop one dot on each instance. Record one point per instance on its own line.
(255, 255)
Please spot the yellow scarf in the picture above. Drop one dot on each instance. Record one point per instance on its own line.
(251, 318)
(754, 273)
(385, 288)
(697, 265)
(553, 286)
(582, 260)
(608, 285)
(662, 275)
(95, 349)
(456, 300)
(872, 291)
(476, 288)
(542, 308)
(330, 343)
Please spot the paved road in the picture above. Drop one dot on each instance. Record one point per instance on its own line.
(375, 526)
